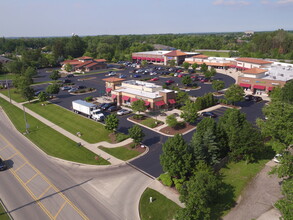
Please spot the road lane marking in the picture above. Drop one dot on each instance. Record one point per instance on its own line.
(4, 147)
(62, 206)
(46, 180)
(21, 166)
(46, 190)
(27, 182)
(11, 156)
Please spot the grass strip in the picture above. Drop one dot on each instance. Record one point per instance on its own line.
(151, 123)
(160, 209)
(49, 140)
(90, 130)
(121, 153)
(16, 96)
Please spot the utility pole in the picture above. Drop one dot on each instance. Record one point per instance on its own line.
(26, 124)
(7, 86)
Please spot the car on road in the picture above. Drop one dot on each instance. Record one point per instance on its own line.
(256, 99)
(248, 97)
(136, 76)
(113, 108)
(3, 165)
(123, 112)
(154, 79)
(64, 88)
(208, 114)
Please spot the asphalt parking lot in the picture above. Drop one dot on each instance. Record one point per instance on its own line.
(150, 163)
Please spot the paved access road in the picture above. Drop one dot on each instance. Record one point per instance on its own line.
(34, 187)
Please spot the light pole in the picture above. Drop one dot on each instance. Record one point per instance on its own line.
(26, 124)
(7, 86)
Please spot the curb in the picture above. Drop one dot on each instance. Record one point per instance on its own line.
(143, 172)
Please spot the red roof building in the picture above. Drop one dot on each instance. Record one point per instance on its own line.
(85, 64)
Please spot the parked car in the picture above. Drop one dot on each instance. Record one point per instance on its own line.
(37, 93)
(248, 97)
(153, 73)
(111, 73)
(176, 74)
(123, 112)
(154, 79)
(3, 165)
(204, 80)
(66, 81)
(277, 158)
(64, 88)
(208, 114)
(136, 76)
(113, 108)
(194, 78)
(122, 76)
(170, 81)
(179, 71)
(257, 99)
(101, 105)
(81, 87)
(108, 105)
(70, 75)
(72, 90)
(181, 75)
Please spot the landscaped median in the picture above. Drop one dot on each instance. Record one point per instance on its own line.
(50, 141)
(89, 130)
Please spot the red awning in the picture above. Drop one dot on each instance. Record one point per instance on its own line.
(125, 98)
(171, 101)
(143, 58)
(153, 59)
(233, 66)
(108, 90)
(134, 58)
(259, 87)
(147, 103)
(160, 103)
(245, 85)
(270, 88)
(139, 58)
(114, 96)
(133, 99)
(158, 59)
(148, 58)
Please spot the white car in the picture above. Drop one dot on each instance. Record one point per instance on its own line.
(277, 158)
(123, 112)
(153, 73)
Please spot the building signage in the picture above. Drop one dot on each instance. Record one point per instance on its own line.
(245, 80)
(260, 82)
(170, 58)
(276, 84)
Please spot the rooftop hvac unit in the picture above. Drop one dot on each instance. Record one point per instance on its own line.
(274, 77)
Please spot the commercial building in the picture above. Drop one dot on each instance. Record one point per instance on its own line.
(264, 80)
(154, 96)
(85, 64)
(162, 56)
(244, 63)
(215, 62)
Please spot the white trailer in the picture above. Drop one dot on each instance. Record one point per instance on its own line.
(88, 109)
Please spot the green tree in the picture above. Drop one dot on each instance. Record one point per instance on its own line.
(199, 194)
(176, 158)
(111, 122)
(171, 121)
(172, 63)
(203, 68)
(22, 81)
(287, 92)
(30, 72)
(218, 85)
(75, 47)
(136, 133)
(55, 75)
(68, 67)
(15, 67)
(186, 80)
(138, 106)
(285, 205)
(234, 93)
(194, 66)
(186, 65)
(27, 93)
(144, 63)
(182, 97)
(189, 112)
(43, 96)
(53, 89)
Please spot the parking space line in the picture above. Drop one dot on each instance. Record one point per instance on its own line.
(31, 179)
(47, 181)
(4, 147)
(46, 190)
(11, 156)
(62, 206)
(21, 166)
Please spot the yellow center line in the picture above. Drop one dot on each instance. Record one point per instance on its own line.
(31, 179)
(46, 190)
(46, 180)
(63, 205)
(18, 168)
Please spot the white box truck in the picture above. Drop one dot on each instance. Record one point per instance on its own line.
(88, 109)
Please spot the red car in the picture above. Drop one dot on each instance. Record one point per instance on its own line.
(181, 75)
(204, 80)
(179, 71)
(154, 79)
(170, 81)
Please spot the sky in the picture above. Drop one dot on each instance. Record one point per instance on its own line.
(40, 18)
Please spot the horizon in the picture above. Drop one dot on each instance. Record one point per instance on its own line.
(44, 18)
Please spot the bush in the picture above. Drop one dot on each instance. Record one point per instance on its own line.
(178, 183)
(171, 74)
(121, 137)
(166, 179)
(89, 99)
(224, 101)
(138, 117)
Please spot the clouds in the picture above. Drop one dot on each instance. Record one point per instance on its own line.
(233, 2)
(278, 2)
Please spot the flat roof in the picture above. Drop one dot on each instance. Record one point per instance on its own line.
(142, 83)
(282, 73)
(137, 92)
(155, 52)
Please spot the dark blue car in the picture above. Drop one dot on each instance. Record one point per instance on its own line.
(136, 76)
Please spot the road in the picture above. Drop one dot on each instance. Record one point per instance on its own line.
(38, 187)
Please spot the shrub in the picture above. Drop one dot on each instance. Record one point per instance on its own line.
(171, 74)
(178, 183)
(89, 99)
(166, 179)
(224, 101)
(121, 137)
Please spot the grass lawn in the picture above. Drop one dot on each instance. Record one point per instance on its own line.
(14, 95)
(150, 122)
(9, 76)
(3, 215)
(236, 176)
(160, 209)
(91, 131)
(121, 153)
(214, 53)
(49, 140)
(44, 82)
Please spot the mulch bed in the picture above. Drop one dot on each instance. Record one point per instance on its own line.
(172, 131)
(137, 148)
(143, 118)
